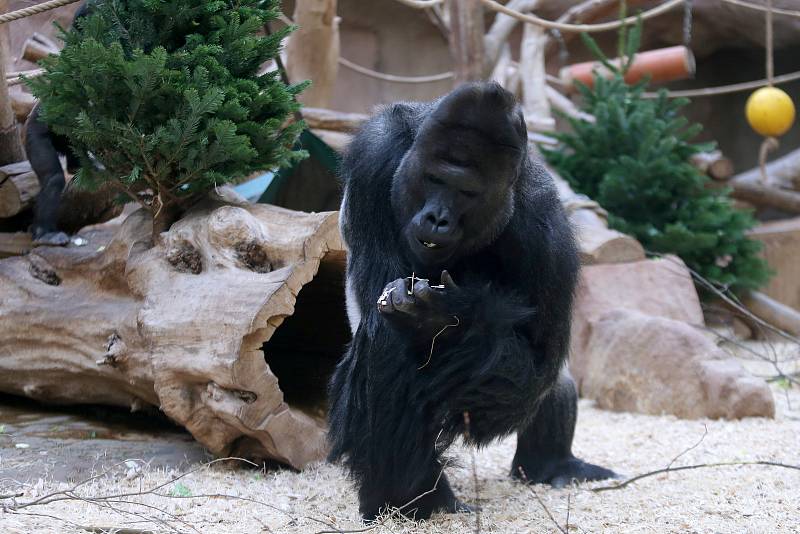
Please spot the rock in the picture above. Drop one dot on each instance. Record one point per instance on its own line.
(647, 364)
(660, 287)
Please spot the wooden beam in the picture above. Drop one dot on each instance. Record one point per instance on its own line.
(328, 119)
(10, 142)
(15, 244)
(18, 193)
(313, 50)
(466, 40)
(773, 312)
(38, 46)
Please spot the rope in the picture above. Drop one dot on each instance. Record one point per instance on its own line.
(770, 63)
(420, 4)
(725, 89)
(391, 77)
(549, 24)
(757, 7)
(770, 143)
(34, 10)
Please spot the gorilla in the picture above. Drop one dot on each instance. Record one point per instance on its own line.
(446, 191)
(42, 148)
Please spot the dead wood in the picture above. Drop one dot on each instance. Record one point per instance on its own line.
(18, 188)
(466, 40)
(181, 326)
(313, 50)
(329, 119)
(713, 164)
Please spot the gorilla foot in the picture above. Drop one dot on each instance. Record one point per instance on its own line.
(53, 239)
(561, 472)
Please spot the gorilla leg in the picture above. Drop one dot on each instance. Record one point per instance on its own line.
(43, 156)
(544, 448)
(432, 495)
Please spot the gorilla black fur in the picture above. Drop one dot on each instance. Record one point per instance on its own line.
(449, 184)
(42, 148)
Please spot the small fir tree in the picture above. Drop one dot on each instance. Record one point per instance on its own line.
(167, 97)
(634, 161)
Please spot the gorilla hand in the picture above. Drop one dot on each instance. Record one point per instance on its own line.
(412, 303)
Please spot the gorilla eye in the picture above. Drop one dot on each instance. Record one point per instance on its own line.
(469, 194)
(434, 180)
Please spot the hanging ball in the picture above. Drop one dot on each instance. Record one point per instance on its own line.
(770, 111)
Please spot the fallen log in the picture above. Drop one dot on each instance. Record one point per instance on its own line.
(782, 189)
(773, 312)
(753, 191)
(230, 325)
(713, 164)
(19, 188)
(14, 244)
(597, 243)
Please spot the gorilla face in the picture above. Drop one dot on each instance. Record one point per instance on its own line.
(453, 192)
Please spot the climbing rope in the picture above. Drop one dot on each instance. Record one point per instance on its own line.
(34, 10)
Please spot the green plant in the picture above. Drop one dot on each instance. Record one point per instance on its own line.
(167, 97)
(634, 161)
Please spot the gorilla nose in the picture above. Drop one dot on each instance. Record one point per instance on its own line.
(438, 223)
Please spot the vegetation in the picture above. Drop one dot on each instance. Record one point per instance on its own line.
(166, 97)
(634, 161)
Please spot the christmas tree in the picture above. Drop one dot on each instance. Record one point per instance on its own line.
(634, 161)
(166, 97)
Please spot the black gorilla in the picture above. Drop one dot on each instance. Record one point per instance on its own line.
(449, 185)
(42, 148)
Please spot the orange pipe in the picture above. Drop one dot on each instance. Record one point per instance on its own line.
(663, 65)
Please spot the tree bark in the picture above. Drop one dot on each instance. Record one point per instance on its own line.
(466, 40)
(313, 50)
(533, 74)
(10, 143)
(19, 188)
(182, 325)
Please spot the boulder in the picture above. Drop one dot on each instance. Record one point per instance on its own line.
(657, 287)
(656, 365)
(636, 346)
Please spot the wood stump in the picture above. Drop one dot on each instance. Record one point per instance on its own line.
(185, 325)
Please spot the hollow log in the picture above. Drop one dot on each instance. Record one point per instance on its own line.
(230, 325)
(19, 188)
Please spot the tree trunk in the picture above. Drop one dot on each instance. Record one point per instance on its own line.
(230, 324)
(10, 144)
(466, 40)
(313, 50)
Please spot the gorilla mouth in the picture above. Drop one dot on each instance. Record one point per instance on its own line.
(428, 244)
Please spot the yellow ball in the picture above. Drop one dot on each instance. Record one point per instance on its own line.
(770, 111)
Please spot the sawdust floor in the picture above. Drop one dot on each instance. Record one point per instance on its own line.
(757, 499)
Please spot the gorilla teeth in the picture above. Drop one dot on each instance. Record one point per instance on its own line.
(429, 244)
